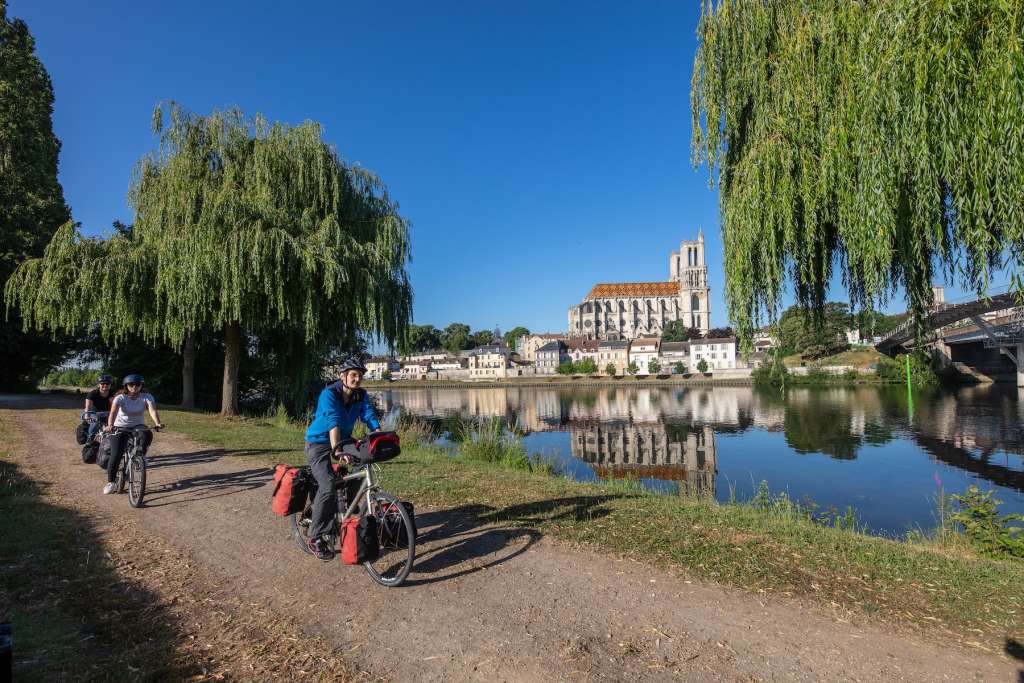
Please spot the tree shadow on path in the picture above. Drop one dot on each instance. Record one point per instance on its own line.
(467, 535)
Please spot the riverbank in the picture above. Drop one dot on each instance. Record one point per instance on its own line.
(741, 379)
(935, 585)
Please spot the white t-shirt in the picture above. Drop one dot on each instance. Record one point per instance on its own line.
(131, 411)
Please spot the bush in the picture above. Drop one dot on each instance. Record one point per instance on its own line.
(73, 377)
(771, 373)
(991, 533)
(922, 372)
(490, 440)
(702, 366)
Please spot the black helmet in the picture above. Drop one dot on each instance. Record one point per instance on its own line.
(105, 379)
(352, 363)
(132, 379)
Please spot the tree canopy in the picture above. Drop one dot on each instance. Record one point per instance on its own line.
(31, 199)
(884, 138)
(800, 331)
(678, 331)
(243, 226)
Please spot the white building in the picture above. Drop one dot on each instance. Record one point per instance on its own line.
(672, 353)
(628, 310)
(488, 362)
(583, 348)
(527, 345)
(439, 354)
(719, 353)
(642, 351)
(549, 357)
(377, 366)
(414, 370)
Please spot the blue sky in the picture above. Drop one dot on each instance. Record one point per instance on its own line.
(537, 148)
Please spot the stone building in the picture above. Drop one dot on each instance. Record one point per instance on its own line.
(627, 310)
(527, 345)
(550, 356)
(614, 352)
(488, 362)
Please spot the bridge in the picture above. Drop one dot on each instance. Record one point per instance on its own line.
(1006, 334)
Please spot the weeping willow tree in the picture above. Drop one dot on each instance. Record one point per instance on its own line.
(241, 226)
(883, 138)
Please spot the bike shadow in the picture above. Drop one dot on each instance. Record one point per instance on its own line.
(208, 485)
(206, 456)
(451, 539)
(1014, 648)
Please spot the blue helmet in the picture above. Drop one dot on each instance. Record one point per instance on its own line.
(105, 379)
(132, 379)
(352, 363)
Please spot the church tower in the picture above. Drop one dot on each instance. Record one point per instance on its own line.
(688, 267)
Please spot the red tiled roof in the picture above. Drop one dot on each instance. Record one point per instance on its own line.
(604, 290)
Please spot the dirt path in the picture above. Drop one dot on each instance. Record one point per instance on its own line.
(484, 602)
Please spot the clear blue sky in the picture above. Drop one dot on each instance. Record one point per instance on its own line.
(537, 147)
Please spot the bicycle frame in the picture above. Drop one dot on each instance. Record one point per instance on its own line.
(366, 474)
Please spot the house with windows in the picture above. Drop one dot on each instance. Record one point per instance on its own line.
(642, 351)
(614, 352)
(720, 353)
(583, 348)
(379, 367)
(550, 356)
(489, 362)
(527, 345)
(673, 353)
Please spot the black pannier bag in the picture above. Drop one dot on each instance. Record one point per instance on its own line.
(81, 431)
(103, 455)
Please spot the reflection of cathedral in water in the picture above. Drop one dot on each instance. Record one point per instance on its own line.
(651, 450)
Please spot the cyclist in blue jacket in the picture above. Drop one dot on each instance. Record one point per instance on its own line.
(339, 406)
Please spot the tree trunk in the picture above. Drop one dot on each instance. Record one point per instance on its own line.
(188, 372)
(232, 351)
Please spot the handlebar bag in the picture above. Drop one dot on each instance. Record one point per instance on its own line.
(291, 489)
(359, 541)
(80, 432)
(383, 446)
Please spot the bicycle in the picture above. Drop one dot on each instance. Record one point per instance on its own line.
(397, 549)
(92, 444)
(132, 468)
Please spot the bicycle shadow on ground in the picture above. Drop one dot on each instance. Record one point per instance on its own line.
(204, 486)
(1014, 648)
(466, 535)
(156, 461)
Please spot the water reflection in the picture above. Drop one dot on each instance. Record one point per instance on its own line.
(687, 439)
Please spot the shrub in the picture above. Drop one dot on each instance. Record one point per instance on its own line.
(610, 369)
(991, 533)
(702, 366)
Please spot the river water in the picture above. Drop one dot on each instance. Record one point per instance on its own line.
(866, 447)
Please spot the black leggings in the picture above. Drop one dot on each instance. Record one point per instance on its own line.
(118, 440)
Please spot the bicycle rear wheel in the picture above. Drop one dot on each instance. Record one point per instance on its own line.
(397, 541)
(136, 480)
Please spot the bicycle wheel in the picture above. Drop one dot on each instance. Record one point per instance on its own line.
(301, 524)
(136, 480)
(396, 538)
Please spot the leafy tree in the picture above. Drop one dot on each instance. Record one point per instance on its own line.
(632, 368)
(253, 230)
(567, 368)
(680, 368)
(31, 199)
(702, 366)
(455, 338)
(513, 335)
(654, 367)
(678, 331)
(587, 366)
(420, 338)
(610, 369)
(720, 333)
(482, 338)
(802, 331)
(880, 136)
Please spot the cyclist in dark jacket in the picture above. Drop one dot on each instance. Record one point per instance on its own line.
(98, 401)
(340, 405)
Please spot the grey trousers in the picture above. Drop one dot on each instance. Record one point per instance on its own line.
(325, 503)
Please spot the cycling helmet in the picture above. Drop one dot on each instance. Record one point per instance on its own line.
(132, 379)
(352, 363)
(105, 379)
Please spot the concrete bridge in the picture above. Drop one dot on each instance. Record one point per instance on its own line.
(1002, 337)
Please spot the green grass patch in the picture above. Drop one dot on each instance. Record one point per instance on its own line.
(766, 546)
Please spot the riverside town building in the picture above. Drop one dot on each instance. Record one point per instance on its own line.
(628, 310)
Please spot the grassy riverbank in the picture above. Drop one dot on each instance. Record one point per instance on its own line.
(768, 548)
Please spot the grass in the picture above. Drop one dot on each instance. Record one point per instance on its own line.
(932, 583)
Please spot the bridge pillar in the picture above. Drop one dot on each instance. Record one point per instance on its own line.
(1020, 365)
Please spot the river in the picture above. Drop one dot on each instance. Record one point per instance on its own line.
(864, 447)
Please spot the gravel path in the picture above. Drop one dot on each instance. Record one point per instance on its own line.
(483, 602)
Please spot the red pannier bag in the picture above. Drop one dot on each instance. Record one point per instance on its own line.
(291, 489)
(359, 542)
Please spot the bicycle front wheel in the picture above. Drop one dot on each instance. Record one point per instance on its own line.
(136, 480)
(301, 524)
(122, 469)
(397, 541)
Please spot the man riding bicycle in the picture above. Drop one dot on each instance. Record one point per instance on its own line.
(127, 411)
(339, 406)
(98, 401)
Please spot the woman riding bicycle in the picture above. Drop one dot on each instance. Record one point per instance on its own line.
(127, 411)
(339, 406)
(98, 401)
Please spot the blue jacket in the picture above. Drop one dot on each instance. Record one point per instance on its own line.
(332, 412)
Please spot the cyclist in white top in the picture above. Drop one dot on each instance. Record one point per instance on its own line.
(126, 411)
